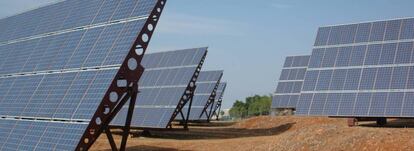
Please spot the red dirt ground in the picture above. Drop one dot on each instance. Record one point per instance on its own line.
(288, 133)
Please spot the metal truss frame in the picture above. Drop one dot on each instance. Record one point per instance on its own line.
(217, 109)
(117, 96)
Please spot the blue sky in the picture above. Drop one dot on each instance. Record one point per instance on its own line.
(250, 38)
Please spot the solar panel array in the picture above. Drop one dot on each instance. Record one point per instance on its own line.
(290, 82)
(163, 84)
(56, 65)
(219, 98)
(361, 70)
(206, 86)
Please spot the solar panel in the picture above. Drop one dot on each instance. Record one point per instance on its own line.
(60, 63)
(68, 47)
(166, 79)
(361, 70)
(39, 135)
(66, 96)
(207, 85)
(218, 100)
(290, 82)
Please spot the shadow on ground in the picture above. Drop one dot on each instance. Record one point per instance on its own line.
(219, 133)
(205, 124)
(148, 148)
(392, 123)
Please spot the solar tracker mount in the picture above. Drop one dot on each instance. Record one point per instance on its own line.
(206, 83)
(166, 85)
(187, 97)
(186, 117)
(217, 108)
(210, 102)
(130, 72)
(66, 70)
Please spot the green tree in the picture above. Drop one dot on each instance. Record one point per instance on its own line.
(238, 110)
(258, 105)
(254, 106)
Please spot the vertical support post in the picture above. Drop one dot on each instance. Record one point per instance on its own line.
(189, 108)
(352, 122)
(182, 114)
(381, 121)
(211, 109)
(133, 92)
(111, 139)
(218, 112)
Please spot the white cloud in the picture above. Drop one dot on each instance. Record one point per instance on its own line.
(185, 24)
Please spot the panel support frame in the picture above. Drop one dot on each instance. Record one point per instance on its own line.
(217, 109)
(211, 101)
(209, 115)
(116, 96)
(185, 124)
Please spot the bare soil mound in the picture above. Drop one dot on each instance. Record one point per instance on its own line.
(278, 133)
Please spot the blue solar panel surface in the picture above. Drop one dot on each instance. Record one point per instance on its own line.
(35, 135)
(200, 100)
(71, 95)
(98, 44)
(290, 82)
(56, 63)
(163, 84)
(206, 84)
(220, 90)
(362, 70)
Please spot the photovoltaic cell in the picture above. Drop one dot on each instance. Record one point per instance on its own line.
(290, 82)
(371, 76)
(56, 63)
(163, 84)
